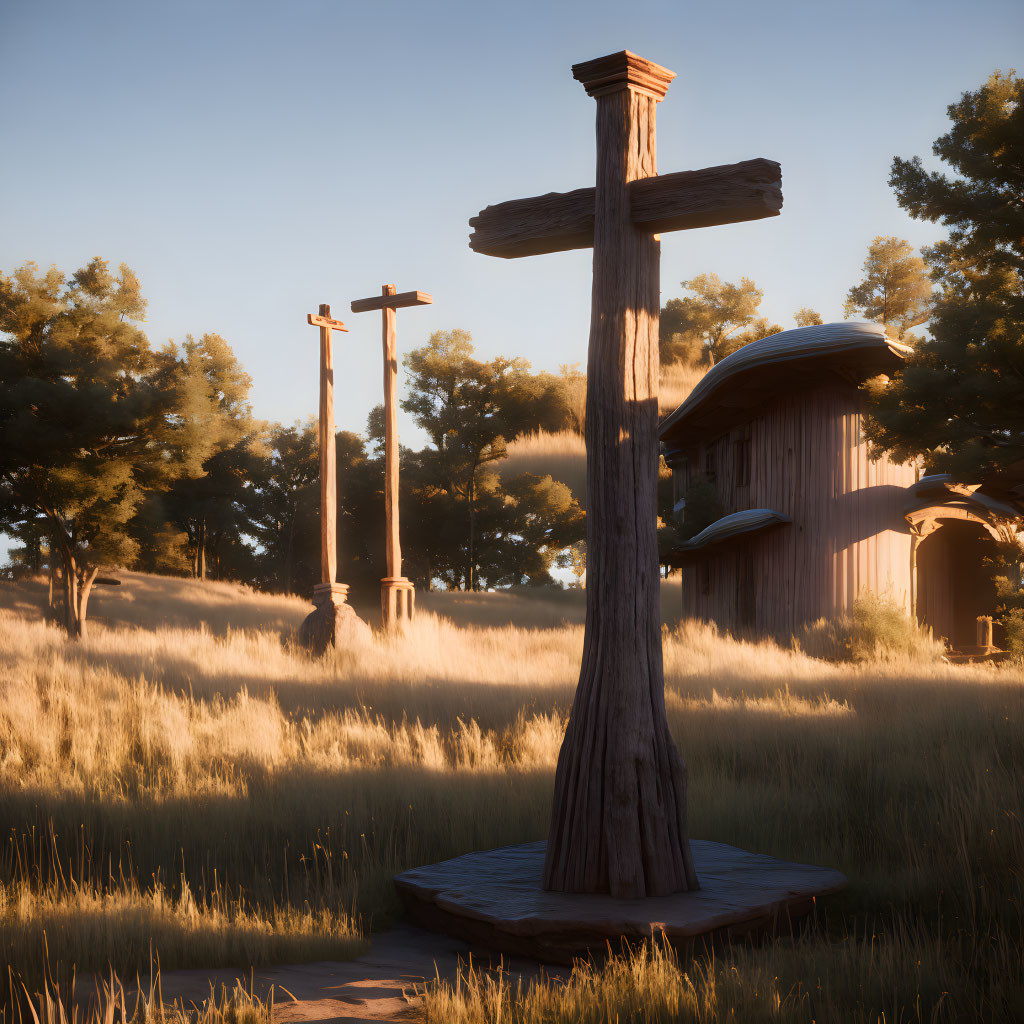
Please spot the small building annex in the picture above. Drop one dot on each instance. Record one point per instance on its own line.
(810, 520)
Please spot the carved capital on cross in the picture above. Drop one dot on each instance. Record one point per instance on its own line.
(623, 70)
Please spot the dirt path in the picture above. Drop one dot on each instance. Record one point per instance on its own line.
(378, 986)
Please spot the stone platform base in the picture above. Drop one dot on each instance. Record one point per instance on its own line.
(333, 622)
(495, 899)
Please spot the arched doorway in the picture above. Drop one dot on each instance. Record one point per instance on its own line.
(953, 585)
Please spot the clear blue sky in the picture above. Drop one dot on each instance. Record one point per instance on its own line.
(251, 160)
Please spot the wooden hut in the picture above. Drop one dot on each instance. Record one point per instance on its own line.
(809, 521)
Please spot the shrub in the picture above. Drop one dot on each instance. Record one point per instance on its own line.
(1013, 622)
(875, 629)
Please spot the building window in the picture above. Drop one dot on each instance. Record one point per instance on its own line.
(741, 457)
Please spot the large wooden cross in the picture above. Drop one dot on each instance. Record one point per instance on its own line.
(618, 821)
(397, 595)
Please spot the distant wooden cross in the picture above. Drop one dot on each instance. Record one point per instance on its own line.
(332, 620)
(618, 821)
(397, 594)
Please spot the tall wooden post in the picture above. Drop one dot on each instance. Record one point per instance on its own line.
(618, 821)
(332, 622)
(397, 594)
(619, 815)
(328, 453)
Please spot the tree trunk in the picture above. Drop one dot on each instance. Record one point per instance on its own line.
(289, 544)
(471, 576)
(201, 553)
(70, 595)
(618, 821)
(84, 590)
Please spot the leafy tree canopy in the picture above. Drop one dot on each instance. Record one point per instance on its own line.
(717, 318)
(82, 415)
(807, 317)
(959, 402)
(896, 290)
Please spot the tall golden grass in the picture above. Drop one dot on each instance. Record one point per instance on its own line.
(203, 789)
(675, 385)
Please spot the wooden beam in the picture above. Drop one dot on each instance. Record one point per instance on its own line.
(325, 321)
(391, 301)
(728, 194)
(554, 222)
(559, 221)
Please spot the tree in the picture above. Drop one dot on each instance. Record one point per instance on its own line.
(896, 291)
(807, 317)
(703, 326)
(460, 402)
(574, 390)
(959, 402)
(216, 443)
(533, 520)
(283, 512)
(82, 417)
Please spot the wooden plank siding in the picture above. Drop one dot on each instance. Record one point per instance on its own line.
(807, 459)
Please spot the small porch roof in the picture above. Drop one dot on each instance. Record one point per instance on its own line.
(726, 530)
(938, 489)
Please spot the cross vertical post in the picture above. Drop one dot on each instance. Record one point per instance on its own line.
(397, 594)
(332, 621)
(328, 459)
(618, 821)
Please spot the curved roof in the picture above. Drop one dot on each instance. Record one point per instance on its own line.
(938, 489)
(736, 524)
(851, 352)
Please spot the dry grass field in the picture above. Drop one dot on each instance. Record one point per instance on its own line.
(185, 784)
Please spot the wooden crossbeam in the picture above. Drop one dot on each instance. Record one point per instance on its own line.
(558, 221)
(325, 321)
(398, 301)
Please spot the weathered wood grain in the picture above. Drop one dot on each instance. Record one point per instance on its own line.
(390, 346)
(618, 820)
(808, 459)
(392, 301)
(397, 593)
(328, 468)
(728, 194)
(325, 321)
(559, 221)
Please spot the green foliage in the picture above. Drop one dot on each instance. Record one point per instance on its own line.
(216, 444)
(807, 317)
(1013, 624)
(82, 416)
(115, 455)
(875, 629)
(1005, 568)
(896, 291)
(959, 402)
(703, 327)
(480, 527)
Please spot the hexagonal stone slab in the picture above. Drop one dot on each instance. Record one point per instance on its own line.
(494, 898)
